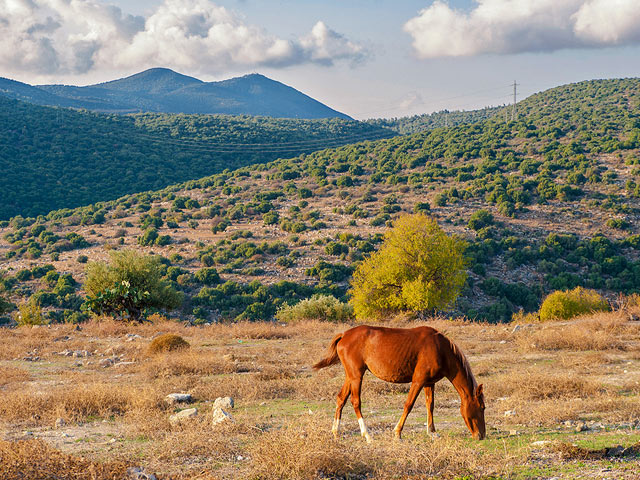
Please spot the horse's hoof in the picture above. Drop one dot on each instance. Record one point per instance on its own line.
(397, 435)
(434, 435)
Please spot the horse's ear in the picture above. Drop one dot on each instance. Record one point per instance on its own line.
(479, 390)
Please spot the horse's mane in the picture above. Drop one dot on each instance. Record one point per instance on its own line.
(464, 363)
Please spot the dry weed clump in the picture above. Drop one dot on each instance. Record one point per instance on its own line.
(75, 403)
(307, 450)
(35, 460)
(188, 362)
(9, 375)
(544, 385)
(167, 342)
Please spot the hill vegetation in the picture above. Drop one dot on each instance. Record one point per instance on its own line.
(547, 202)
(59, 158)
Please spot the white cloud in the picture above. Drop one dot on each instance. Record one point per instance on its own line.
(516, 26)
(70, 37)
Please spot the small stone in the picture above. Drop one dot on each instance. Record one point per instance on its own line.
(123, 364)
(220, 416)
(224, 403)
(515, 329)
(138, 473)
(513, 433)
(113, 440)
(183, 415)
(582, 427)
(502, 342)
(174, 398)
(106, 362)
(60, 422)
(540, 443)
(569, 423)
(510, 413)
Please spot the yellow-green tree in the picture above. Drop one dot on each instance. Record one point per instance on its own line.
(419, 267)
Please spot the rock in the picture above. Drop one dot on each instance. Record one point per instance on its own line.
(502, 342)
(540, 443)
(220, 416)
(123, 364)
(183, 415)
(582, 427)
(106, 362)
(513, 433)
(60, 422)
(138, 473)
(174, 398)
(510, 413)
(224, 403)
(569, 423)
(515, 329)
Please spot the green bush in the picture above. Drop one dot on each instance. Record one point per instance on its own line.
(480, 219)
(562, 305)
(29, 313)
(128, 286)
(319, 307)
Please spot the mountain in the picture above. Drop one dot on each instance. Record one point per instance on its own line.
(55, 158)
(163, 90)
(548, 202)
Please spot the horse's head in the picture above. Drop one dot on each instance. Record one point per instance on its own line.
(472, 409)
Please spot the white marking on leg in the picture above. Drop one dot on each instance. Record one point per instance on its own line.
(336, 427)
(396, 431)
(363, 430)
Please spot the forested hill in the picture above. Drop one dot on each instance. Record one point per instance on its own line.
(548, 202)
(163, 90)
(429, 121)
(55, 158)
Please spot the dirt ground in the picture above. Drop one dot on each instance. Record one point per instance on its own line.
(563, 401)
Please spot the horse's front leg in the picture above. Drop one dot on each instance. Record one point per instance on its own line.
(429, 393)
(408, 405)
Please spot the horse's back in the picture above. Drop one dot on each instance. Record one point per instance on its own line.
(391, 354)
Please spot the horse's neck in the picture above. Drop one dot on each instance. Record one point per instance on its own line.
(461, 378)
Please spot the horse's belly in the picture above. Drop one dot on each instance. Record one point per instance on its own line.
(392, 375)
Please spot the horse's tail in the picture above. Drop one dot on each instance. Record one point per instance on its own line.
(332, 355)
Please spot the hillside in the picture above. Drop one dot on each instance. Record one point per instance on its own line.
(559, 186)
(163, 90)
(55, 158)
(429, 121)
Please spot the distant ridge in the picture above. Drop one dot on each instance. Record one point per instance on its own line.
(165, 91)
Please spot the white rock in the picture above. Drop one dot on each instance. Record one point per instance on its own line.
(174, 398)
(60, 422)
(183, 415)
(510, 413)
(220, 416)
(224, 403)
(123, 364)
(540, 443)
(515, 329)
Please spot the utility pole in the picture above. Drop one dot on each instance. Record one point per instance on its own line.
(514, 112)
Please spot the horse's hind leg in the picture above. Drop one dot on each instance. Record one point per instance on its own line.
(408, 405)
(356, 384)
(345, 391)
(429, 392)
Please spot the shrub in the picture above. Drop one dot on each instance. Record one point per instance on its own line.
(480, 219)
(29, 313)
(128, 286)
(82, 259)
(419, 267)
(562, 305)
(167, 343)
(318, 307)
(208, 276)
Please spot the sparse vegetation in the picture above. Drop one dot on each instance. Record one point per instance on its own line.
(319, 307)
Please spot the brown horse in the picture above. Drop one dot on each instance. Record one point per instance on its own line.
(419, 355)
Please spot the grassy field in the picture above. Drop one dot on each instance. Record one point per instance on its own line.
(563, 401)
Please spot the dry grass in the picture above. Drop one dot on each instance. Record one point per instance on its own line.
(168, 342)
(601, 331)
(307, 450)
(266, 369)
(35, 460)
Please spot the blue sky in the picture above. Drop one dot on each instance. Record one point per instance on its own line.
(367, 58)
